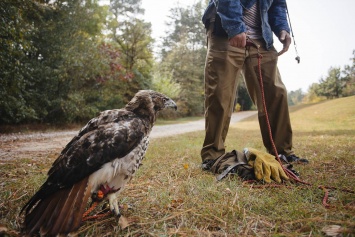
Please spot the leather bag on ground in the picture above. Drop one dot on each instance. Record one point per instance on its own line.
(233, 162)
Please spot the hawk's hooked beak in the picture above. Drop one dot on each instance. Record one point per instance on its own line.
(170, 104)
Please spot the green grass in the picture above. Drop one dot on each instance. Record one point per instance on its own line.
(172, 196)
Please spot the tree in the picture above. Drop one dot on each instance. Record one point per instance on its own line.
(295, 97)
(331, 87)
(183, 54)
(68, 39)
(49, 51)
(312, 94)
(163, 82)
(338, 83)
(349, 78)
(133, 38)
(103, 90)
(16, 33)
(243, 98)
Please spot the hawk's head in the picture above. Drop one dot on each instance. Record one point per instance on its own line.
(149, 102)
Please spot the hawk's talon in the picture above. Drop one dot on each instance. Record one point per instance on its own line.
(115, 213)
(112, 199)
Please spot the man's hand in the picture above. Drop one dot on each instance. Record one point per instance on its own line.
(238, 40)
(285, 39)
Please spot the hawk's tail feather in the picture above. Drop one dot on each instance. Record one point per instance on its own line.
(45, 189)
(56, 209)
(60, 213)
(35, 218)
(71, 214)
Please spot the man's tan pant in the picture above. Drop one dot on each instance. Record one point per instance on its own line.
(224, 63)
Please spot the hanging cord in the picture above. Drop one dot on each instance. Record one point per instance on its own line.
(298, 59)
(289, 173)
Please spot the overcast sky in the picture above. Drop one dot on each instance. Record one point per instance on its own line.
(324, 32)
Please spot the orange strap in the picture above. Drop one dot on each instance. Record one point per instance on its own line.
(96, 216)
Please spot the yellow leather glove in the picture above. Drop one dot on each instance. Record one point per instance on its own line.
(266, 167)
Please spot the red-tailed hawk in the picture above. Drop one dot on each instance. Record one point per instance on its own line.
(103, 156)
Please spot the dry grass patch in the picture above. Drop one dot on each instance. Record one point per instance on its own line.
(172, 196)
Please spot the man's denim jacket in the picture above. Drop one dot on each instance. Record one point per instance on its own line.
(272, 12)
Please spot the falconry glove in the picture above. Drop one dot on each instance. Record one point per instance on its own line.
(266, 167)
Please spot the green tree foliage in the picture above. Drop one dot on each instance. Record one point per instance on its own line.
(162, 81)
(104, 90)
(49, 52)
(58, 66)
(295, 97)
(183, 55)
(331, 87)
(15, 49)
(338, 83)
(349, 78)
(312, 94)
(133, 38)
(64, 61)
(68, 40)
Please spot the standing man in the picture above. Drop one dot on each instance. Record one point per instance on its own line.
(230, 24)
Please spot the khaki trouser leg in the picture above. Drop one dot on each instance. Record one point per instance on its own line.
(275, 98)
(223, 64)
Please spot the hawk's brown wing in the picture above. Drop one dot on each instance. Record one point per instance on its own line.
(101, 142)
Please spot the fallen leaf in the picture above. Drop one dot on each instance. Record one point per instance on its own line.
(332, 230)
(123, 222)
(175, 203)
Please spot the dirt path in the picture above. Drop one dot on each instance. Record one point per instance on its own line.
(174, 129)
(36, 145)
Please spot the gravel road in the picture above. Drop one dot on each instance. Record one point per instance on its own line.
(34, 145)
(174, 129)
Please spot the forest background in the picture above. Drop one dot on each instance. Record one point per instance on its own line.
(65, 61)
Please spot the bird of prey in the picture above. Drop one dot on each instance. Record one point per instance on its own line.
(103, 157)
